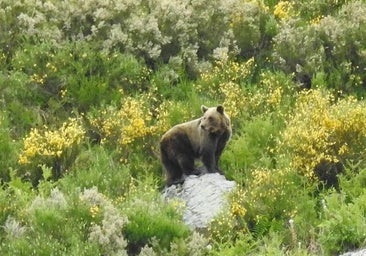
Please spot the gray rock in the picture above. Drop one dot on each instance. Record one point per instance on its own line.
(356, 253)
(203, 196)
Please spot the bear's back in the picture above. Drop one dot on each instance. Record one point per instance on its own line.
(191, 129)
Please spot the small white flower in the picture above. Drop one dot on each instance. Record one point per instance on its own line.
(291, 222)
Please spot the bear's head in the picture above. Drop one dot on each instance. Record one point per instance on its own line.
(215, 120)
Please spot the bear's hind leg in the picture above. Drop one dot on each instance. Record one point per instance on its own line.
(173, 172)
(186, 164)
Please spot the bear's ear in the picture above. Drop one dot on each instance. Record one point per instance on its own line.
(220, 109)
(203, 108)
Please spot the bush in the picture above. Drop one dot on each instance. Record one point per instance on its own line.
(252, 146)
(49, 225)
(224, 84)
(7, 149)
(230, 225)
(323, 132)
(342, 214)
(122, 126)
(77, 74)
(311, 10)
(152, 219)
(96, 167)
(272, 197)
(20, 102)
(253, 27)
(107, 232)
(144, 227)
(129, 127)
(56, 149)
(330, 44)
(155, 30)
(343, 223)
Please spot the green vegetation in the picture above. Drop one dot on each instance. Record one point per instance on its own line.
(88, 87)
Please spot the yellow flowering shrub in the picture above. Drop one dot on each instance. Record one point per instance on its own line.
(134, 124)
(222, 228)
(228, 71)
(237, 199)
(317, 20)
(224, 81)
(55, 149)
(125, 124)
(162, 116)
(230, 222)
(269, 194)
(283, 10)
(269, 94)
(227, 83)
(234, 98)
(39, 79)
(45, 143)
(322, 129)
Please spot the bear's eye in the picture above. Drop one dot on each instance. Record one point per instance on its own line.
(210, 118)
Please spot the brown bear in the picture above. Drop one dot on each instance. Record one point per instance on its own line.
(204, 138)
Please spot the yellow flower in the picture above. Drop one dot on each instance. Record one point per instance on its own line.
(40, 79)
(237, 209)
(283, 10)
(316, 20)
(324, 130)
(94, 210)
(23, 160)
(51, 143)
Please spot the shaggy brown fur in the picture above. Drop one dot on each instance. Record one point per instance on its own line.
(204, 138)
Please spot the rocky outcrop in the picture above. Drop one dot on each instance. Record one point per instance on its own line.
(204, 197)
(356, 253)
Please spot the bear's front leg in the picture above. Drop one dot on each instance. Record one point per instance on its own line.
(221, 144)
(201, 170)
(198, 171)
(208, 151)
(208, 159)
